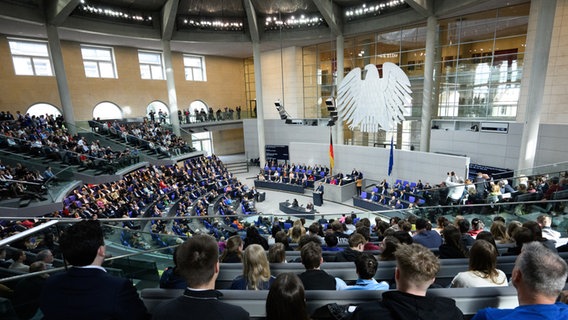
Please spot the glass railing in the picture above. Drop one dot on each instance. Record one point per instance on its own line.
(141, 255)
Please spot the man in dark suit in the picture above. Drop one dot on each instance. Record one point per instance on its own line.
(320, 190)
(198, 263)
(86, 291)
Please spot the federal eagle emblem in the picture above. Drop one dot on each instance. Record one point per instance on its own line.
(373, 103)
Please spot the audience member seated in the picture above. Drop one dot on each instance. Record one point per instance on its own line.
(331, 243)
(366, 266)
(286, 299)
(198, 263)
(256, 270)
(425, 235)
(539, 276)
(171, 278)
(416, 270)
(18, 259)
(453, 247)
(277, 253)
(233, 250)
(350, 254)
(482, 268)
(314, 278)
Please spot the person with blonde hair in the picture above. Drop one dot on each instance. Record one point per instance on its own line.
(483, 270)
(256, 270)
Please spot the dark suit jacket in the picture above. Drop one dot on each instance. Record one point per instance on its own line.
(198, 305)
(90, 293)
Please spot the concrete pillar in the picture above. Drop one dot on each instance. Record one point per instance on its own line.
(427, 95)
(171, 86)
(340, 49)
(538, 65)
(259, 104)
(61, 77)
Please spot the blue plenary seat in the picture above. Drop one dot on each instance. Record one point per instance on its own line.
(363, 195)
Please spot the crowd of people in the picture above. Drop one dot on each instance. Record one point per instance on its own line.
(199, 115)
(48, 137)
(539, 277)
(147, 134)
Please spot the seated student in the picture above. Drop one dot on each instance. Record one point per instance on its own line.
(366, 266)
(171, 279)
(286, 299)
(350, 254)
(256, 270)
(482, 268)
(87, 291)
(425, 235)
(539, 276)
(416, 270)
(233, 250)
(199, 265)
(314, 278)
(331, 243)
(277, 253)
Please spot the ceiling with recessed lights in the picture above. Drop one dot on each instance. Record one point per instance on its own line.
(220, 27)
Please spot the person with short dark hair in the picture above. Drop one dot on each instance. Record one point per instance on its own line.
(425, 237)
(464, 225)
(314, 278)
(286, 299)
(331, 243)
(366, 266)
(170, 278)
(86, 291)
(198, 263)
(18, 261)
(416, 269)
(539, 276)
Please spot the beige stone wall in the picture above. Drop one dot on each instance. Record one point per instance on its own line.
(228, 142)
(555, 109)
(224, 86)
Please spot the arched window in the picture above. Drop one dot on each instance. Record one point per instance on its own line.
(156, 107)
(197, 105)
(107, 110)
(39, 109)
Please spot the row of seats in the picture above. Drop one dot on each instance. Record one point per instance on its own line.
(469, 300)
(346, 270)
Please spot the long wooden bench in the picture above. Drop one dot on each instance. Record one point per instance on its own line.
(469, 300)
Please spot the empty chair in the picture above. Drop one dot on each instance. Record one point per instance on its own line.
(363, 195)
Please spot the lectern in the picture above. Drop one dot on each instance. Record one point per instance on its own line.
(317, 198)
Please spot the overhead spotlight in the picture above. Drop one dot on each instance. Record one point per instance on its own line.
(205, 129)
(330, 123)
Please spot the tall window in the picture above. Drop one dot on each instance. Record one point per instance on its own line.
(98, 62)
(194, 68)
(151, 66)
(31, 58)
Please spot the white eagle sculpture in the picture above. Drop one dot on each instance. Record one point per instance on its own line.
(373, 103)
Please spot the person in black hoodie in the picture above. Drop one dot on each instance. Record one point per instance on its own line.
(356, 245)
(416, 270)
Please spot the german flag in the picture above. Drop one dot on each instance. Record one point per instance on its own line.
(331, 157)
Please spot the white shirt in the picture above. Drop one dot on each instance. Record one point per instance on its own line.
(473, 279)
